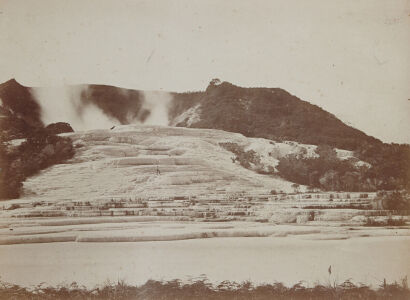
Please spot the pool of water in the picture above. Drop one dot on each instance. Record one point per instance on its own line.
(266, 259)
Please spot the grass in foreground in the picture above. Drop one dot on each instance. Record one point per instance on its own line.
(202, 289)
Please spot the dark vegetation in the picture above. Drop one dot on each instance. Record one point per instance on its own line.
(182, 102)
(275, 114)
(247, 159)
(269, 113)
(59, 127)
(19, 100)
(19, 112)
(395, 201)
(389, 170)
(20, 119)
(13, 126)
(202, 289)
(38, 152)
(390, 164)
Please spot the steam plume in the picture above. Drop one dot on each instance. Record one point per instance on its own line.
(87, 107)
(157, 103)
(65, 104)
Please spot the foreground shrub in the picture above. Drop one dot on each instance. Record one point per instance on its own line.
(202, 289)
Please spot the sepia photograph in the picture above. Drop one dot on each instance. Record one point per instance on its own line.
(204, 149)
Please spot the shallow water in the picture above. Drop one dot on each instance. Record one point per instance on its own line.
(268, 259)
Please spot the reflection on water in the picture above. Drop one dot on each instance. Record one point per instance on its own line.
(287, 260)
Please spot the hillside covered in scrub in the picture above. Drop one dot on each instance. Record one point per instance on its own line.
(269, 113)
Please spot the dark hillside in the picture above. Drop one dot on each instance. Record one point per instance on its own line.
(272, 113)
(19, 101)
(122, 104)
(20, 114)
(182, 102)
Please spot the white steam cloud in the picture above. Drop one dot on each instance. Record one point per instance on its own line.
(157, 103)
(63, 104)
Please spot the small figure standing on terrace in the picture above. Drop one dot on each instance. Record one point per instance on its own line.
(158, 172)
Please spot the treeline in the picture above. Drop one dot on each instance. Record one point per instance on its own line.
(39, 151)
(388, 168)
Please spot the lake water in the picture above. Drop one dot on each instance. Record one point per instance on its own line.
(287, 260)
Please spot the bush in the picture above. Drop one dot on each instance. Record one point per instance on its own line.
(59, 127)
(245, 158)
(388, 170)
(396, 201)
(38, 152)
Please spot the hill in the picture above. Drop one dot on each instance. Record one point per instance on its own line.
(270, 113)
(20, 113)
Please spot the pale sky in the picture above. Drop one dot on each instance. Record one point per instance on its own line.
(350, 57)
